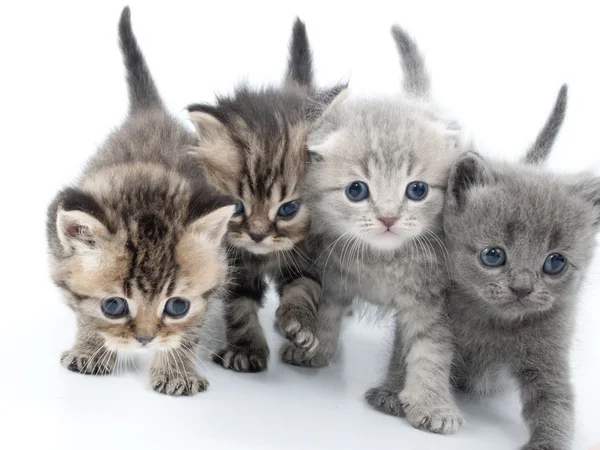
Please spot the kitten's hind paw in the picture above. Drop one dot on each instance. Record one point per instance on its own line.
(299, 325)
(290, 354)
(442, 419)
(98, 363)
(386, 401)
(177, 384)
(243, 359)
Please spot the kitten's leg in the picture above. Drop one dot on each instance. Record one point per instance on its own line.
(173, 372)
(247, 349)
(88, 355)
(385, 398)
(330, 313)
(297, 312)
(548, 404)
(428, 343)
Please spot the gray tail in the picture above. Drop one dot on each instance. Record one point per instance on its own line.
(300, 60)
(142, 90)
(416, 80)
(542, 146)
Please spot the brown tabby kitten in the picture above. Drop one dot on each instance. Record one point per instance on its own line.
(252, 146)
(135, 245)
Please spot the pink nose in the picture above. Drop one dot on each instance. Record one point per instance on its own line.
(388, 221)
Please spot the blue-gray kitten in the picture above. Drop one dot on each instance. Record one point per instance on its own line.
(521, 240)
(376, 190)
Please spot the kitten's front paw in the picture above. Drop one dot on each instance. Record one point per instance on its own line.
(299, 325)
(443, 419)
(176, 383)
(290, 354)
(98, 363)
(386, 401)
(243, 359)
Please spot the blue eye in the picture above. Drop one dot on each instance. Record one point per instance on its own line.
(177, 306)
(239, 208)
(115, 307)
(417, 190)
(493, 257)
(289, 209)
(554, 264)
(357, 191)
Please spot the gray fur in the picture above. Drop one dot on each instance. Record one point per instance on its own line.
(542, 146)
(416, 78)
(300, 61)
(529, 213)
(388, 144)
(143, 93)
(140, 224)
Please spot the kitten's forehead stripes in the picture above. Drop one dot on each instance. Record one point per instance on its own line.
(64, 286)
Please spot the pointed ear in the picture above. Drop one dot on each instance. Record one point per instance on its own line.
(207, 121)
(213, 224)
(588, 190)
(325, 123)
(324, 101)
(78, 229)
(469, 171)
(216, 152)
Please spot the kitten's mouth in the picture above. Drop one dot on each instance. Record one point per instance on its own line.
(259, 249)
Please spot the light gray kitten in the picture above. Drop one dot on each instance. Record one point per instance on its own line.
(520, 240)
(376, 190)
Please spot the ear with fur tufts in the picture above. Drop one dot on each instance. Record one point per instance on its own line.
(216, 152)
(588, 189)
(325, 124)
(469, 171)
(213, 224)
(78, 229)
(320, 103)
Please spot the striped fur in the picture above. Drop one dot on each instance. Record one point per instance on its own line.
(252, 145)
(141, 225)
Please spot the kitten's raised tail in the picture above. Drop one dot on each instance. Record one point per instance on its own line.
(299, 70)
(143, 93)
(416, 79)
(542, 146)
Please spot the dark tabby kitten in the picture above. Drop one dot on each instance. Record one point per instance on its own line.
(520, 240)
(252, 145)
(135, 244)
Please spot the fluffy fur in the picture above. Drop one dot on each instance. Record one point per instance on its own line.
(515, 320)
(386, 248)
(252, 145)
(140, 225)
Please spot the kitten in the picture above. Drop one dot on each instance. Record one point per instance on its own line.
(523, 239)
(135, 244)
(252, 146)
(376, 190)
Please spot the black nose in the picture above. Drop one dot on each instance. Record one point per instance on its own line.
(257, 237)
(521, 291)
(144, 339)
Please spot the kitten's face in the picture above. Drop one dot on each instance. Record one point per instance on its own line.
(380, 173)
(260, 160)
(144, 281)
(519, 241)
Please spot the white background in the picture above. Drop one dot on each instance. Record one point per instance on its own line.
(497, 66)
